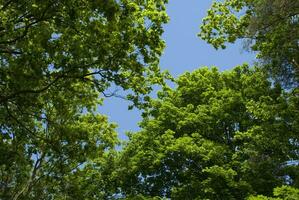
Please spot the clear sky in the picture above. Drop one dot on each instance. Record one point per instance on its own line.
(184, 52)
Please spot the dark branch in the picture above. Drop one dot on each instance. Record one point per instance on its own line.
(6, 5)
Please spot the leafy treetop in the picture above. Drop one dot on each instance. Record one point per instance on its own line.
(270, 27)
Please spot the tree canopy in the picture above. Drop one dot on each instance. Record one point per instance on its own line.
(270, 27)
(57, 60)
(217, 135)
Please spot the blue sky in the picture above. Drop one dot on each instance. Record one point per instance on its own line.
(184, 52)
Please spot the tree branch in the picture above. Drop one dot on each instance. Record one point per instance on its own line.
(28, 187)
(6, 5)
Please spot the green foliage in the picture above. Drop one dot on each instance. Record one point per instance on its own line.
(216, 136)
(284, 192)
(57, 59)
(270, 25)
(222, 25)
(103, 42)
